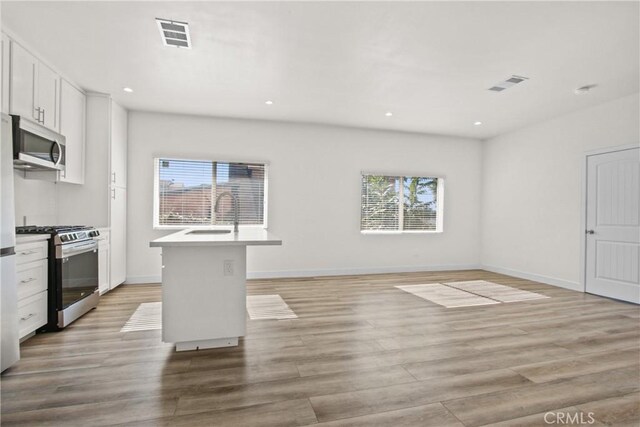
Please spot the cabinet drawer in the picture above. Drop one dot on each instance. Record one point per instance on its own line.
(28, 252)
(32, 278)
(32, 313)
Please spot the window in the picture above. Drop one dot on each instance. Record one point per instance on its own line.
(401, 203)
(186, 192)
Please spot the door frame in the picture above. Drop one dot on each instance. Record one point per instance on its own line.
(583, 204)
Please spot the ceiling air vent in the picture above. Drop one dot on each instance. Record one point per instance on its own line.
(174, 33)
(513, 80)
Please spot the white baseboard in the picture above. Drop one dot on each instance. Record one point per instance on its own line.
(535, 277)
(138, 280)
(357, 271)
(326, 272)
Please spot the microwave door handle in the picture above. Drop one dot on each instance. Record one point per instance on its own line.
(56, 144)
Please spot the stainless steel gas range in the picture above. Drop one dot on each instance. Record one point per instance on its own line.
(73, 272)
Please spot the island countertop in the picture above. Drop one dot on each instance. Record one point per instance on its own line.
(244, 237)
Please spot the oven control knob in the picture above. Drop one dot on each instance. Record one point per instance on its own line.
(63, 238)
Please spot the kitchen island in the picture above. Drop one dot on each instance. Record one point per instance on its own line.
(204, 292)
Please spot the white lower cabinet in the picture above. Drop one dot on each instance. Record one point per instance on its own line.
(32, 279)
(118, 237)
(32, 313)
(103, 262)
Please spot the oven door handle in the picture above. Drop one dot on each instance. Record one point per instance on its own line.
(62, 252)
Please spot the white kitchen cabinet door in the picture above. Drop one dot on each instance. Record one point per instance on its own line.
(103, 267)
(24, 66)
(72, 126)
(5, 73)
(34, 89)
(118, 146)
(118, 236)
(48, 90)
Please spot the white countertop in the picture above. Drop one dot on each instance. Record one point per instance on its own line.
(250, 236)
(27, 238)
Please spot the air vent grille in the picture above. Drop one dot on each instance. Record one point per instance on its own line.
(505, 84)
(174, 33)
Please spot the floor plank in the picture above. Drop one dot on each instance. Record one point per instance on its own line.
(361, 352)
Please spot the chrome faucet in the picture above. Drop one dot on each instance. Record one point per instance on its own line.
(236, 208)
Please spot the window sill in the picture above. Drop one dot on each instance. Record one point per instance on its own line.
(400, 232)
(207, 227)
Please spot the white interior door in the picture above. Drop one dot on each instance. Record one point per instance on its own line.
(613, 225)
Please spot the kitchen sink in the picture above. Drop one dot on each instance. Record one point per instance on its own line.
(209, 232)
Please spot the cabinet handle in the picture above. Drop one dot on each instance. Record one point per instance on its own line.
(37, 110)
(28, 317)
(113, 193)
(30, 279)
(43, 115)
(113, 177)
(28, 252)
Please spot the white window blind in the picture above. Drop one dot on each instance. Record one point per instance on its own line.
(187, 190)
(401, 203)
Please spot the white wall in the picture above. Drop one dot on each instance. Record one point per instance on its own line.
(314, 192)
(532, 186)
(34, 199)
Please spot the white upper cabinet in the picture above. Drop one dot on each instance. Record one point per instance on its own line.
(34, 88)
(118, 146)
(72, 126)
(48, 94)
(5, 73)
(23, 77)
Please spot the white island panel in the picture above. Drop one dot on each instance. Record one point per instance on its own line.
(204, 290)
(199, 302)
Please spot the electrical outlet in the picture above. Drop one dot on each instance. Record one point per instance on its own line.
(228, 267)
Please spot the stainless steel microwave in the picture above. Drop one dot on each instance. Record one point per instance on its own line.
(35, 147)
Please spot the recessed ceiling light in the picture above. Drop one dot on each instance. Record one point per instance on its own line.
(388, 114)
(269, 102)
(127, 89)
(477, 123)
(582, 90)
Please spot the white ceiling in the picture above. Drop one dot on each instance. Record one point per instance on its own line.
(430, 63)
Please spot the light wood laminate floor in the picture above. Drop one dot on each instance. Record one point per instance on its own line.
(361, 353)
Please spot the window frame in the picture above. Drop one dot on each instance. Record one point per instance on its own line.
(439, 207)
(156, 198)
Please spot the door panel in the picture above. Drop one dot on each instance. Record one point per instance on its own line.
(118, 146)
(48, 90)
(72, 126)
(613, 219)
(23, 83)
(117, 234)
(5, 73)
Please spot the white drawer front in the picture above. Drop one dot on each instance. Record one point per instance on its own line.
(29, 252)
(32, 278)
(32, 313)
